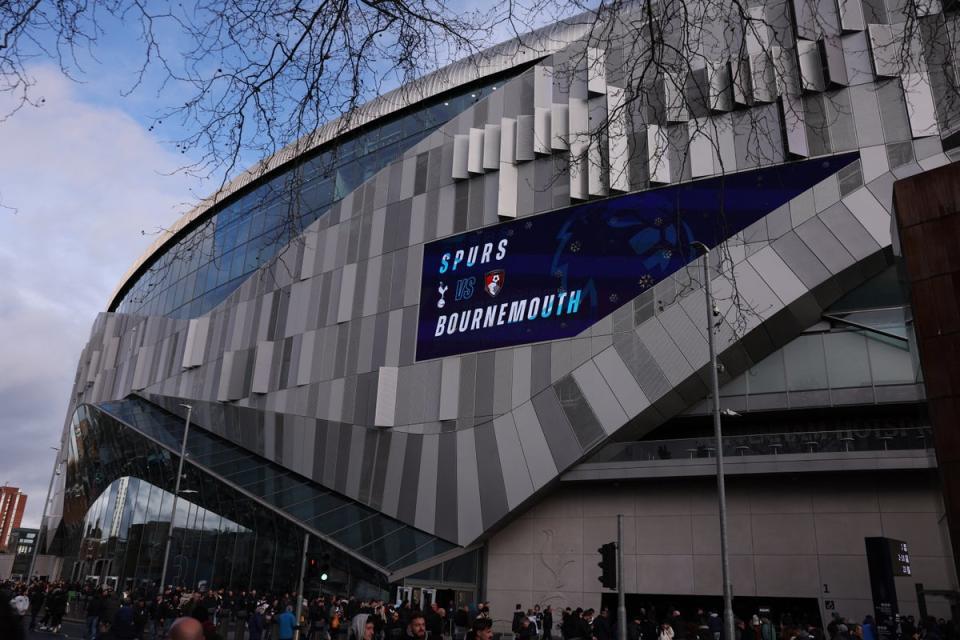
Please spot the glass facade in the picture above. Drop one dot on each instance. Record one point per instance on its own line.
(202, 268)
(858, 354)
(120, 474)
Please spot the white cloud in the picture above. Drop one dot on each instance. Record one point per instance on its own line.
(84, 180)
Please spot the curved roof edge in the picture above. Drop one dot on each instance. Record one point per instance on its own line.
(497, 59)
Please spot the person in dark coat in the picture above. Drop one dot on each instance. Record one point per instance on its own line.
(10, 624)
(548, 623)
(122, 626)
(94, 607)
(602, 627)
(255, 624)
(37, 596)
(518, 616)
(527, 630)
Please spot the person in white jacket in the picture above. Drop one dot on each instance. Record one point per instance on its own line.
(666, 631)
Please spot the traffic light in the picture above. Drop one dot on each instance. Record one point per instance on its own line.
(324, 567)
(318, 569)
(608, 565)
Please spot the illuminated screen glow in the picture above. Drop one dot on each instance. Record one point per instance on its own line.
(553, 275)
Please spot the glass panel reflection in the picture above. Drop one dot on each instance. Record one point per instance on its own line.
(217, 527)
(202, 268)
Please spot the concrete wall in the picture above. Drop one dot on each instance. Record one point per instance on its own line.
(791, 536)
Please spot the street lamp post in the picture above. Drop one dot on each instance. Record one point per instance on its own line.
(728, 625)
(43, 518)
(176, 494)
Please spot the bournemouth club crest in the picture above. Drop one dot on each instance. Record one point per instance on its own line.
(493, 282)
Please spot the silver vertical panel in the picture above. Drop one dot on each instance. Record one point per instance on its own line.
(94, 367)
(371, 288)
(600, 397)
(355, 468)
(377, 228)
(226, 370)
(393, 478)
(621, 382)
(521, 374)
(507, 190)
(702, 148)
(596, 169)
(542, 85)
(674, 98)
(516, 476)
(763, 77)
(469, 516)
(475, 151)
(835, 62)
(450, 389)
(386, 409)
(262, 367)
(411, 285)
(851, 15)
(112, 348)
(308, 358)
(142, 369)
(579, 143)
(535, 448)
(759, 31)
(795, 125)
(524, 145)
(394, 331)
(196, 342)
(311, 241)
(741, 82)
(330, 248)
(856, 58)
(886, 42)
(508, 140)
(348, 283)
(618, 146)
(491, 147)
(920, 108)
(332, 446)
(541, 130)
(559, 127)
(720, 81)
(503, 381)
(297, 309)
(596, 70)
(811, 67)
(461, 155)
(658, 157)
(427, 485)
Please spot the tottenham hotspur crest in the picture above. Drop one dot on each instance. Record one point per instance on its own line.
(493, 282)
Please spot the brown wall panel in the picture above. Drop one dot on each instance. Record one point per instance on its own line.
(928, 219)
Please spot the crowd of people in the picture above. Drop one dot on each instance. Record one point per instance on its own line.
(178, 614)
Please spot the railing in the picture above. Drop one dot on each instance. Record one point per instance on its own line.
(767, 444)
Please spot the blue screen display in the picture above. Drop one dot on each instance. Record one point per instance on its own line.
(552, 275)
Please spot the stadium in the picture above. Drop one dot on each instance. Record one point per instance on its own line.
(440, 345)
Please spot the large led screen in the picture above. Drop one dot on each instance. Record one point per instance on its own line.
(553, 275)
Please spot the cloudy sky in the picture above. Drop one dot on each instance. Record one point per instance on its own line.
(85, 185)
(80, 178)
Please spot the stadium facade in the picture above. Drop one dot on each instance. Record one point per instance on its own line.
(452, 338)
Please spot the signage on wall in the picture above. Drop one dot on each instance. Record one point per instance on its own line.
(553, 275)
